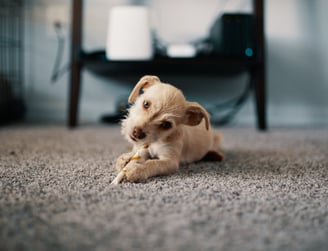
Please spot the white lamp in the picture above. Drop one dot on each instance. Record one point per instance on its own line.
(129, 34)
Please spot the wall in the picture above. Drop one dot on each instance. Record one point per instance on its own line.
(296, 59)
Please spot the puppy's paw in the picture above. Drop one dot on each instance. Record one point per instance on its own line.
(135, 172)
(123, 160)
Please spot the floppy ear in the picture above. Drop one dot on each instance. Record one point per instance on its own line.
(194, 115)
(143, 83)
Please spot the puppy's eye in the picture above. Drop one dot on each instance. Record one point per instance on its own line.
(146, 104)
(165, 125)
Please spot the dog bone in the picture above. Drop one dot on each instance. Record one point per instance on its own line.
(140, 156)
(120, 176)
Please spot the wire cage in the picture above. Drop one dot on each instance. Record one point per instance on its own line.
(11, 60)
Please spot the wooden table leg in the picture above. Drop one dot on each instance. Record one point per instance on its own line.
(75, 76)
(258, 79)
(258, 73)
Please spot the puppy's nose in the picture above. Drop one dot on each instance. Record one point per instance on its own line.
(138, 133)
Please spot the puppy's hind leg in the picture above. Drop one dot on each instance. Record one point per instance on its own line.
(214, 154)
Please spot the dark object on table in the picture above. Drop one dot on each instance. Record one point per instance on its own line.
(233, 35)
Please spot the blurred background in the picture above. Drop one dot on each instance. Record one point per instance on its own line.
(296, 59)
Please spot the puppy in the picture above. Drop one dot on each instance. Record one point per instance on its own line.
(174, 130)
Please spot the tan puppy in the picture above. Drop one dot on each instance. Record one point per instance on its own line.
(174, 130)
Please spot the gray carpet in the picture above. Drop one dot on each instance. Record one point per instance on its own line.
(271, 193)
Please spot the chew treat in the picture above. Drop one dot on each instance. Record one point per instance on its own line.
(120, 176)
(140, 156)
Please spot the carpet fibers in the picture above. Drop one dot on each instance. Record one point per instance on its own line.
(270, 193)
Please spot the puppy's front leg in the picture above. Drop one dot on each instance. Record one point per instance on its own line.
(123, 160)
(153, 167)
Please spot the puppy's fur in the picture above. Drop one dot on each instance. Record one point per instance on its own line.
(175, 130)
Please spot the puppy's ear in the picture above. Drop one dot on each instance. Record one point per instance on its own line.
(143, 83)
(195, 113)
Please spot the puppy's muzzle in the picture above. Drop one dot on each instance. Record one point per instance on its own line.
(137, 134)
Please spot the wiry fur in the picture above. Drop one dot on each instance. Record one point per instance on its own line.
(175, 130)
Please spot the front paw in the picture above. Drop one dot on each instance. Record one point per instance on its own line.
(123, 160)
(135, 172)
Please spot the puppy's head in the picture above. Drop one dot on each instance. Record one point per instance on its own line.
(158, 110)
